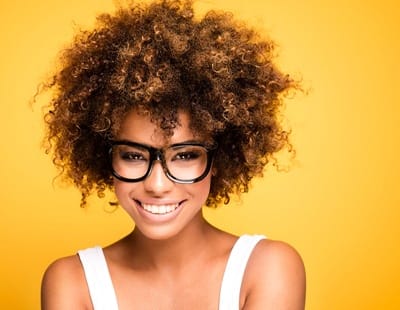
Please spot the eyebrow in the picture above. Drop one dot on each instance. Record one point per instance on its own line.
(190, 141)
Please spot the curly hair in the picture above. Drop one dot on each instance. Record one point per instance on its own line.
(160, 59)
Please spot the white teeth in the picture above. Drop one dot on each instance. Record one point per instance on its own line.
(159, 209)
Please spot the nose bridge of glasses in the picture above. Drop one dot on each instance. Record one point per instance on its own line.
(154, 170)
(157, 155)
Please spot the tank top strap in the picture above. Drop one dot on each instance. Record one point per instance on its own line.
(98, 279)
(229, 298)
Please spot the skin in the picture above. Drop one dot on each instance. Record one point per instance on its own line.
(162, 263)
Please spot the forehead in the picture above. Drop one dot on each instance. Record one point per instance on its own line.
(139, 127)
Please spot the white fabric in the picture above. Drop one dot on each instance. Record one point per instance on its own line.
(102, 291)
(229, 298)
(98, 279)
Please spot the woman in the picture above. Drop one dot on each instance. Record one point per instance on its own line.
(172, 113)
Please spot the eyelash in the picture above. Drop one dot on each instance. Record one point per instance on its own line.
(186, 156)
(129, 156)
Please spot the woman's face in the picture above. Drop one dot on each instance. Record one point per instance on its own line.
(160, 207)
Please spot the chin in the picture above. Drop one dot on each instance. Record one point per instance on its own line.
(158, 233)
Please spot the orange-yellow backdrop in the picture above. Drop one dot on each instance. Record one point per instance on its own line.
(339, 204)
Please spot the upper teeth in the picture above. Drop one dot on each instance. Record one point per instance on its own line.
(159, 209)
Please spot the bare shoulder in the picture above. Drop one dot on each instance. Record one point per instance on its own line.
(64, 285)
(275, 278)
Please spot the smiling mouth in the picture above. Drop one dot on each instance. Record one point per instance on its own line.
(159, 209)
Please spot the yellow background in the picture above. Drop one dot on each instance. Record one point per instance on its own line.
(339, 204)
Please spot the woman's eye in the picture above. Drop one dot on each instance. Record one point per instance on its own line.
(186, 156)
(130, 156)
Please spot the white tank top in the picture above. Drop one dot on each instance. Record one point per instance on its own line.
(102, 291)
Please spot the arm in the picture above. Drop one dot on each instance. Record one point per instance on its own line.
(64, 286)
(275, 278)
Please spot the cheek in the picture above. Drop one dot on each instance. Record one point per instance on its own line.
(121, 190)
(201, 190)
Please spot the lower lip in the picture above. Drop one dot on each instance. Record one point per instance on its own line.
(158, 218)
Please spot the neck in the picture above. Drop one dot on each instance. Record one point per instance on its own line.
(173, 253)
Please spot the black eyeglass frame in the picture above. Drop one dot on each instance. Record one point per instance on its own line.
(158, 154)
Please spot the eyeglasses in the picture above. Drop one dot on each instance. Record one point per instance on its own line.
(182, 162)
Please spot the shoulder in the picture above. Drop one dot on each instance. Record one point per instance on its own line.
(64, 285)
(275, 277)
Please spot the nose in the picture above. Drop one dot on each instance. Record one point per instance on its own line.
(157, 181)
